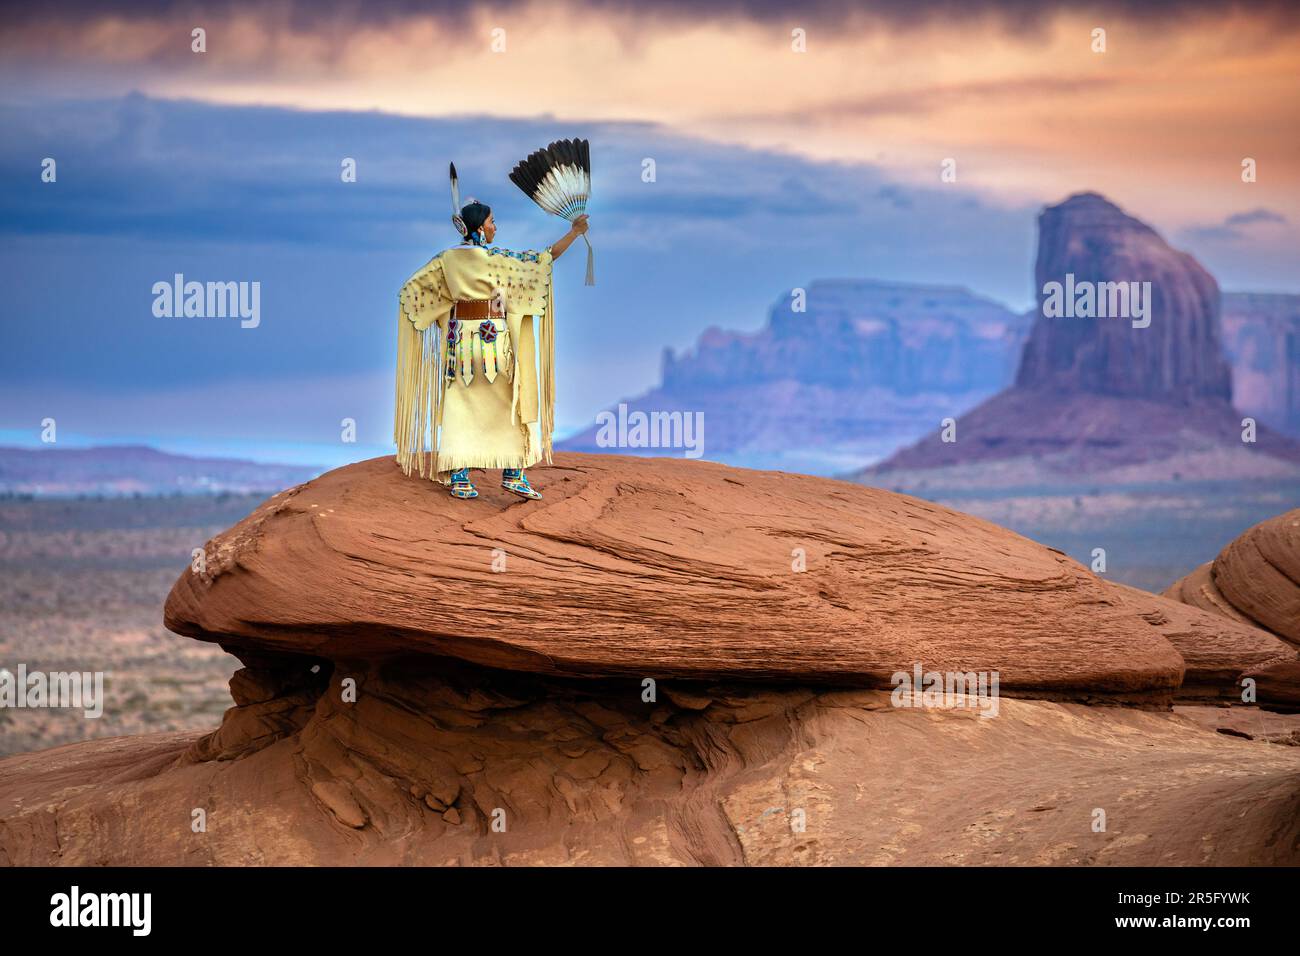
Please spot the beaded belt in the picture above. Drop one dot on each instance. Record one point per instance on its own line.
(477, 330)
(475, 309)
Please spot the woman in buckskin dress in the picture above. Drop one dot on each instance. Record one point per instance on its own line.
(473, 325)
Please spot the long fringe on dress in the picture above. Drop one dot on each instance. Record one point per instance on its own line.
(418, 400)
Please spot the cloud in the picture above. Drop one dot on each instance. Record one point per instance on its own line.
(148, 188)
(1254, 215)
(935, 98)
(177, 171)
(895, 196)
(1230, 229)
(1014, 14)
(1013, 91)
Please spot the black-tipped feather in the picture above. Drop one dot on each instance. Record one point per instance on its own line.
(529, 174)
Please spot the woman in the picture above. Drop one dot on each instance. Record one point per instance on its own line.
(469, 325)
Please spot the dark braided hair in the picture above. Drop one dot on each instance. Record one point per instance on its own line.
(474, 215)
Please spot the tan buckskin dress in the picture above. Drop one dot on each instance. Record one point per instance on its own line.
(472, 327)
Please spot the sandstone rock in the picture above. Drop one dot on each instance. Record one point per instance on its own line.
(669, 568)
(404, 691)
(1255, 579)
(1216, 652)
(253, 686)
(826, 778)
(1278, 686)
(340, 802)
(1275, 727)
(1199, 590)
(271, 702)
(1259, 574)
(1178, 357)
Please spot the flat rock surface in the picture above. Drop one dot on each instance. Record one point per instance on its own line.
(668, 567)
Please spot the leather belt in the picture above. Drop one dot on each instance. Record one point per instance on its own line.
(471, 309)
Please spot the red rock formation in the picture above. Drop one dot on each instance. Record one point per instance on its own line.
(1259, 574)
(575, 773)
(663, 567)
(408, 698)
(1058, 438)
(1256, 580)
(1277, 686)
(1178, 357)
(1094, 395)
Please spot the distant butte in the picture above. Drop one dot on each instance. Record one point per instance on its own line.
(1097, 399)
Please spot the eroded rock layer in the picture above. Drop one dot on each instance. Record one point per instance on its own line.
(406, 763)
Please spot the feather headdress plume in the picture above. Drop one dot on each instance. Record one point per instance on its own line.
(456, 207)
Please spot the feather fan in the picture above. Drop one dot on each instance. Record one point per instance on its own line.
(558, 178)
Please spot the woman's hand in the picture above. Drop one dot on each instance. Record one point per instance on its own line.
(578, 228)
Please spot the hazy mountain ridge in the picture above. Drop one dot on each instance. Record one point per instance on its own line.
(1261, 335)
(866, 366)
(136, 469)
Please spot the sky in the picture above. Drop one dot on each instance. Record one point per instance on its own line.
(789, 143)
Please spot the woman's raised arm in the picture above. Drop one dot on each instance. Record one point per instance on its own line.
(577, 229)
